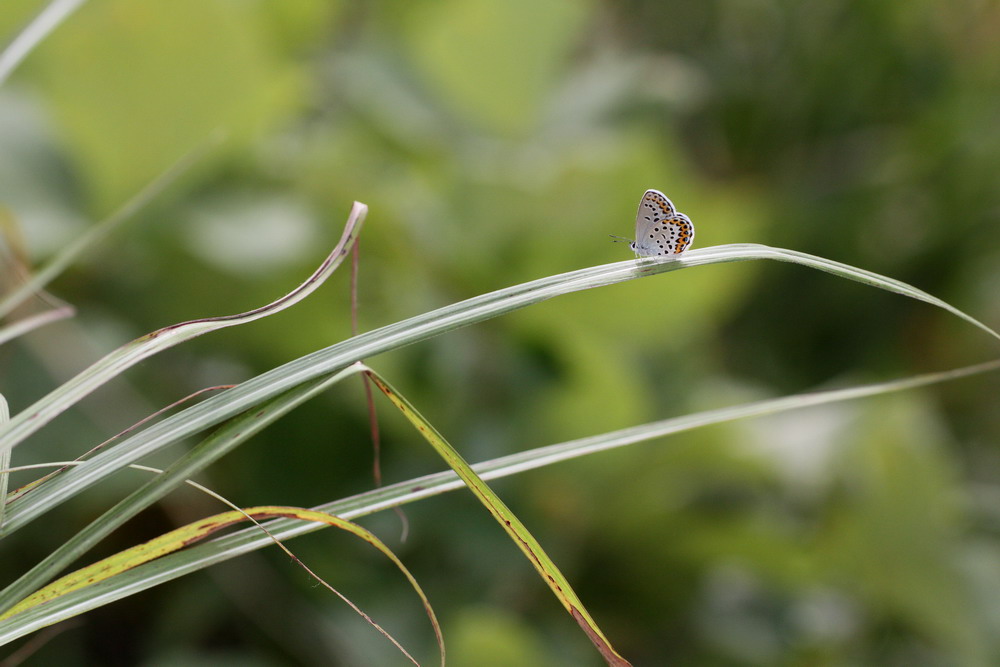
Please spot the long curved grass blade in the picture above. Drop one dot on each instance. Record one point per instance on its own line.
(364, 534)
(160, 546)
(226, 438)
(196, 531)
(517, 531)
(47, 408)
(47, 20)
(97, 233)
(421, 327)
(56, 590)
(221, 549)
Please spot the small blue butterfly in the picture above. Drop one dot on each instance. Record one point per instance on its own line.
(659, 228)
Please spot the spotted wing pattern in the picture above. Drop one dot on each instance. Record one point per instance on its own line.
(659, 228)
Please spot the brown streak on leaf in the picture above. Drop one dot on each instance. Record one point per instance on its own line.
(608, 653)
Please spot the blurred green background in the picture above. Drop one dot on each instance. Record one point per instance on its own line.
(495, 143)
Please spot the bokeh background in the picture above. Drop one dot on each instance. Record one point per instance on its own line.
(495, 143)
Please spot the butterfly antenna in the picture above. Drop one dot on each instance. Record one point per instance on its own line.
(620, 238)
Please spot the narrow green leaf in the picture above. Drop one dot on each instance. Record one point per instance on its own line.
(518, 532)
(47, 20)
(113, 364)
(222, 549)
(108, 568)
(4, 461)
(421, 327)
(30, 323)
(230, 435)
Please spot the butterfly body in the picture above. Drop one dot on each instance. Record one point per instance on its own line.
(659, 229)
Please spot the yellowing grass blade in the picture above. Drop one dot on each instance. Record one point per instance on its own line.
(199, 530)
(510, 523)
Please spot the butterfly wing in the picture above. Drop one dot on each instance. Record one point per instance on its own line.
(659, 228)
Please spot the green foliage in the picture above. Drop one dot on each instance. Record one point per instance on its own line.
(135, 85)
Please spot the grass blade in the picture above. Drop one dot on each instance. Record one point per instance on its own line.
(4, 461)
(218, 444)
(517, 531)
(32, 322)
(221, 549)
(107, 569)
(421, 327)
(47, 408)
(47, 20)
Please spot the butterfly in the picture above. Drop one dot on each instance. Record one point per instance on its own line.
(659, 228)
